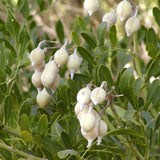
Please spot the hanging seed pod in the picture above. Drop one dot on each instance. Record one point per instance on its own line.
(73, 63)
(124, 10)
(36, 79)
(55, 84)
(91, 6)
(102, 131)
(43, 98)
(132, 25)
(110, 18)
(49, 74)
(61, 56)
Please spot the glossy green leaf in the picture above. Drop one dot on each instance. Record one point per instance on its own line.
(81, 23)
(152, 51)
(12, 25)
(24, 122)
(65, 153)
(101, 32)
(113, 35)
(137, 86)
(149, 119)
(123, 131)
(75, 38)
(86, 55)
(26, 136)
(156, 14)
(82, 78)
(89, 38)
(60, 31)
(2, 57)
(126, 86)
(42, 125)
(151, 37)
(104, 74)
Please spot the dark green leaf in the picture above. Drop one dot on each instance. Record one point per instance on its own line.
(104, 74)
(82, 24)
(156, 13)
(86, 55)
(66, 139)
(149, 119)
(75, 38)
(12, 25)
(42, 125)
(24, 122)
(65, 153)
(82, 78)
(101, 32)
(43, 111)
(157, 125)
(123, 131)
(113, 35)
(2, 57)
(60, 31)
(126, 86)
(151, 37)
(137, 86)
(6, 155)
(26, 136)
(152, 51)
(25, 9)
(89, 38)
(41, 4)
(51, 94)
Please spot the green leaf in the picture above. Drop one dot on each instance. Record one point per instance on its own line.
(89, 38)
(81, 23)
(12, 25)
(60, 31)
(37, 139)
(156, 14)
(137, 86)
(75, 38)
(152, 51)
(151, 37)
(113, 35)
(157, 124)
(24, 122)
(6, 155)
(101, 32)
(25, 9)
(104, 74)
(123, 131)
(82, 78)
(86, 55)
(42, 125)
(66, 139)
(65, 153)
(126, 86)
(26, 136)
(41, 4)
(149, 119)
(23, 40)
(2, 57)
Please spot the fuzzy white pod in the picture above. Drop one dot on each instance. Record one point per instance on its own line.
(36, 79)
(37, 56)
(110, 18)
(49, 74)
(124, 10)
(83, 96)
(88, 122)
(91, 6)
(98, 95)
(43, 98)
(73, 63)
(61, 56)
(55, 83)
(102, 131)
(132, 25)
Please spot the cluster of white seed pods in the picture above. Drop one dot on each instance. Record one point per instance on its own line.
(91, 124)
(125, 12)
(46, 75)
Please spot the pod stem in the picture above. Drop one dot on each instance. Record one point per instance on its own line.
(47, 48)
(65, 44)
(46, 41)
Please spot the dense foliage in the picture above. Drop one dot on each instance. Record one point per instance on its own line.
(28, 131)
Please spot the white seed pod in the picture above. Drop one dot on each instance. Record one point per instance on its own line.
(82, 113)
(43, 98)
(83, 96)
(61, 56)
(37, 56)
(36, 79)
(132, 25)
(110, 18)
(55, 83)
(102, 131)
(91, 6)
(73, 63)
(49, 74)
(124, 10)
(88, 122)
(98, 95)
